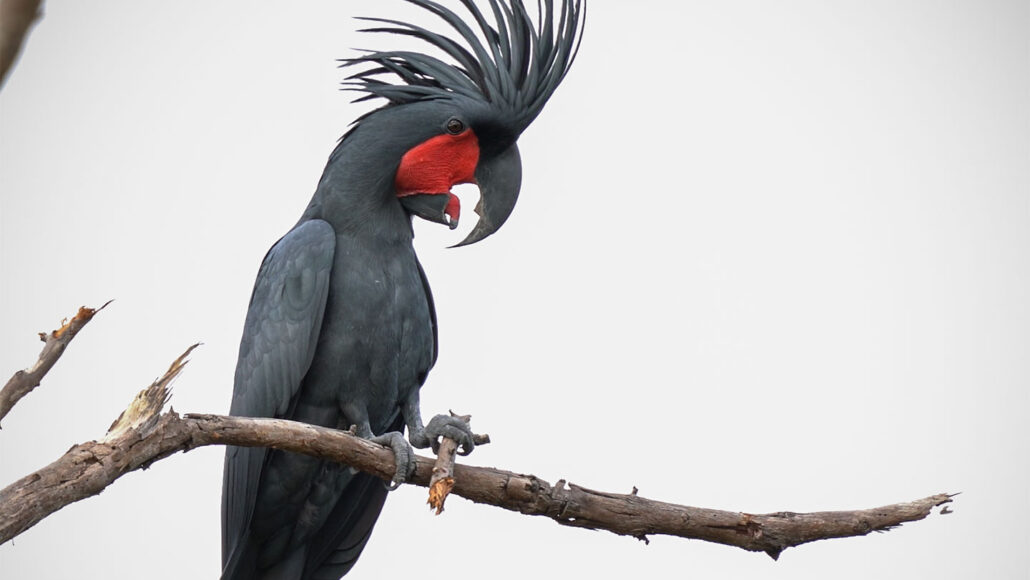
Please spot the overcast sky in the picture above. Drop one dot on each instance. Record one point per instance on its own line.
(768, 256)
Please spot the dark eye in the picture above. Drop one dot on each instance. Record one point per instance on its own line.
(455, 126)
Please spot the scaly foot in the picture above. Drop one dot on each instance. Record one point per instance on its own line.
(403, 454)
(444, 426)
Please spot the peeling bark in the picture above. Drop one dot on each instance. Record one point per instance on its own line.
(142, 434)
(88, 468)
(442, 481)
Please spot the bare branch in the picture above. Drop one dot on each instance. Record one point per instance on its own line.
(23, 382)
(16, 17)
(87, 469)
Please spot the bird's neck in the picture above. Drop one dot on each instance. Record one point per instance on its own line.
(361, 210)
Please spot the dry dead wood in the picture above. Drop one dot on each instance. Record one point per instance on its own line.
(23, 382)
(442, 481)
(143, 435)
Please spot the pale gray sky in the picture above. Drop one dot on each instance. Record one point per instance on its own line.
(768, 256)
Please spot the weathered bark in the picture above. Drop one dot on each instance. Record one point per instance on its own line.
(16, 18)
(23, 382)
(142, 436)
(442, 481)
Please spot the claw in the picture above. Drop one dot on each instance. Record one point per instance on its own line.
(454, 428)
(403, 455)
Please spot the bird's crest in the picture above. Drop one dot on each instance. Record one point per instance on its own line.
(513, 66)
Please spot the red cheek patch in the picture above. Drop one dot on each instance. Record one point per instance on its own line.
(438, 164)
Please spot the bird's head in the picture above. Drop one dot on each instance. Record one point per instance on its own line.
(454, 123)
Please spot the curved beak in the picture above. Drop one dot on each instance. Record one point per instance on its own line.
(499, 180)
(442, 208)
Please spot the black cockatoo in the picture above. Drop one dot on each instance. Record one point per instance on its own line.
(341, 329)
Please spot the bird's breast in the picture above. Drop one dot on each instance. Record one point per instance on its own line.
(377, 337)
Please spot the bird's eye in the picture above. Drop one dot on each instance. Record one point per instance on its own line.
(455, 126)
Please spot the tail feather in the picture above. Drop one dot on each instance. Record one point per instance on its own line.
(353, 519)
(335, 551)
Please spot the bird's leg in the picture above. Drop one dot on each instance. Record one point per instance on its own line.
(439, 426)
(403, 454)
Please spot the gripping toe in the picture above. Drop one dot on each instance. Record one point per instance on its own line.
(454, 428)
(403, 454)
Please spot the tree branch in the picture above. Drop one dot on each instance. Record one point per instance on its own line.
(16, 17)
(23, 382)
(143, 435)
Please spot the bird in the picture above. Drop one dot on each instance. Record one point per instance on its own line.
(341, 329)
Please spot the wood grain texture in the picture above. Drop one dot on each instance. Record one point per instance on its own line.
(88, 468)
(442, 481)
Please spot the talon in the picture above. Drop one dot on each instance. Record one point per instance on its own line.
(404, 457)
(455, 428)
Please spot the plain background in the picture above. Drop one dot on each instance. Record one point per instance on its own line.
(768, 256)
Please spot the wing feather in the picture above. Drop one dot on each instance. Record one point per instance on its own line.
(279, 340)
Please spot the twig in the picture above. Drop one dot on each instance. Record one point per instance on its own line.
(442, 481)
(87, 469)
(24, 381)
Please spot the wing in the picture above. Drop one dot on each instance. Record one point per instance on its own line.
(278, 344)
(432, 314)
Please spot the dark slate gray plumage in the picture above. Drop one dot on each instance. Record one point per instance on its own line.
(516, 71)
(341, 329)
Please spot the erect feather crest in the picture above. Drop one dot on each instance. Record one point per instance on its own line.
(509, 64)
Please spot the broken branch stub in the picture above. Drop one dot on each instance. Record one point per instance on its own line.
(88, 468)
(24, 381)
(442, 481)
